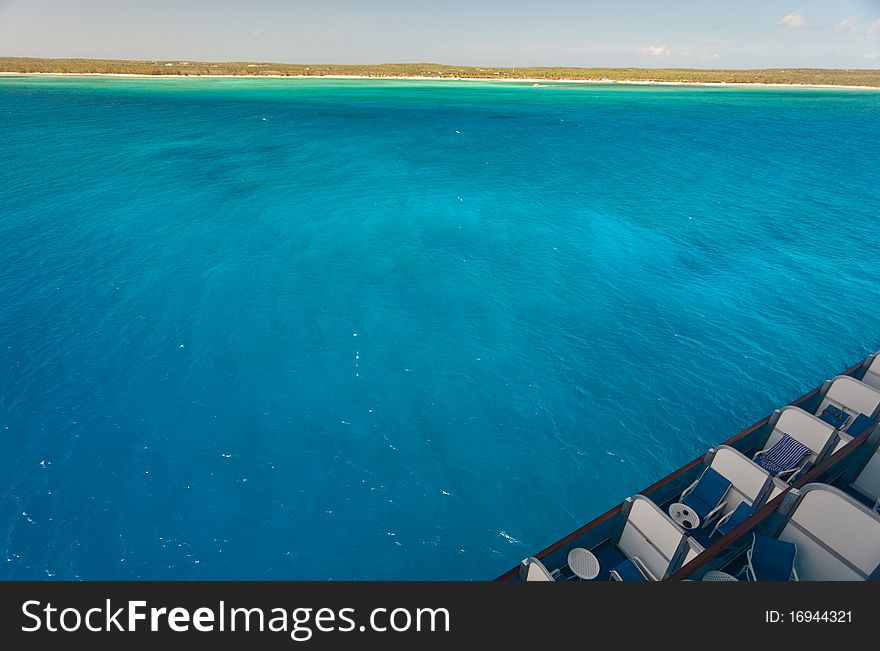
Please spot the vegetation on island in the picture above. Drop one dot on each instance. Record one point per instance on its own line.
(818, 76)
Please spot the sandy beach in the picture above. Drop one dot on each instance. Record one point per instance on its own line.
(525, 80)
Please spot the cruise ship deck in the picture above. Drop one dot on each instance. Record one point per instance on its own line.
(796, 496)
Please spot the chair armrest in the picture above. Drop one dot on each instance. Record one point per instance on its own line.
(688, 490)
(744, 570)
(724, 518)
(714, 513)
(791, 471)
(794, 472)
(643, 568)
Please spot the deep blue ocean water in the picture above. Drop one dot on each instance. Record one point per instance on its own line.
(317, 329)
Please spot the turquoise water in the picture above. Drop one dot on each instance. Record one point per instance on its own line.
(316, 329)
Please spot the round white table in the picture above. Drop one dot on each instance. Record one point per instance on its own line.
(583, 563)
(718, 575)
(684, 515)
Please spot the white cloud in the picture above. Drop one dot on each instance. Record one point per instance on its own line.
(874, 28)
(794, 20)
(848, 25)
(656, 50)
(681, 52)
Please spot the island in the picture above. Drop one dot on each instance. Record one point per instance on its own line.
(788, 76)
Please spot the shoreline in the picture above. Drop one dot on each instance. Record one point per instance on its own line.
(627, 82)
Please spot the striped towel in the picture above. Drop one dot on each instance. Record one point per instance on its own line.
(786, 454)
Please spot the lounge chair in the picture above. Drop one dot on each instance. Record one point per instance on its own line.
(632, 569)
(860, 424)
(531, 569)
(729, 522)
(705, 497)
(817, 434)
(753, 485)
(784, 458)
(770, 559)
(847, 401)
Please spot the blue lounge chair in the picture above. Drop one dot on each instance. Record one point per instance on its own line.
(861, 424)
(733, 519)
(770, 559)
(705, 497)
(784, 458)
(630, 570)
(835, 416)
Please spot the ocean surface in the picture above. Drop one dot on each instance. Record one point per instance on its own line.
(336, 329)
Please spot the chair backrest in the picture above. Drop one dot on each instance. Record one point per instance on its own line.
(742, 512)
(534, 570)
(837, 538)
(772, 559)
(852, 396)
(712, 487)
(650, 535)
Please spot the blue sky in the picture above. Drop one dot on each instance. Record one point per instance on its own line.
(667, 33)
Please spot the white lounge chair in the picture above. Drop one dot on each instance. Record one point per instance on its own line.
(751, 485)
(814, 436)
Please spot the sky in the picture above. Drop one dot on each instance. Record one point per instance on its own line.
(588, 33)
